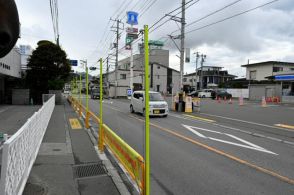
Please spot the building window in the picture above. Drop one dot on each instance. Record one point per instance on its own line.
(158, 76)
(123, 76)
(185, 79)
(190, 80)
(252, 74)
(277, 69)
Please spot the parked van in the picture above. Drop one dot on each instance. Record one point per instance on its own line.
(157, 105)
(205, 93)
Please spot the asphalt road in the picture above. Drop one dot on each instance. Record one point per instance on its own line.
(223, 150)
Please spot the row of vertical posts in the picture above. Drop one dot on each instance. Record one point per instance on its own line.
(146, 190)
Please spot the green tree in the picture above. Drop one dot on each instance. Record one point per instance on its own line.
(49, 68)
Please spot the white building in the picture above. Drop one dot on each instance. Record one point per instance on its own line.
(260, 71)
(9, 69)
(25, 51)
(162, 78)
(212, 76)
(279, 74)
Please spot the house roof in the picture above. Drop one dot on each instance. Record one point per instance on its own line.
(268, 62)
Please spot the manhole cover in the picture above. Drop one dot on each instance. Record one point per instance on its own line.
(88, 170)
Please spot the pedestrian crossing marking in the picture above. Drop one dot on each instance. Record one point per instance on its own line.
(74, 123)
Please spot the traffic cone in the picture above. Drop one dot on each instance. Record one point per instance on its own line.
(230, 101)
(263, 102)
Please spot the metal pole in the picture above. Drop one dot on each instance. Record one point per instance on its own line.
(87, 98)
(197, 56)
(201, 74)
(131, 67)
(101, 145)
(116, 57)
(107, 76)
(147, 132)
(182, 44)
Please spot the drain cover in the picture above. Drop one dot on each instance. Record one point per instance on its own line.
(88, 170)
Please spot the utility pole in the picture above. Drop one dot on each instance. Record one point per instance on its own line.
(182, 43)
(107, 76)
(116, 30)
(201, 74)
(197, 56)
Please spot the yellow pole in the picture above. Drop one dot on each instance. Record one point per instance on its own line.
(101, 145)
(147, 132)
(87, 99)
(76, 86)
(80, 89)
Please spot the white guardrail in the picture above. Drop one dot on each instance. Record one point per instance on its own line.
(21, 149)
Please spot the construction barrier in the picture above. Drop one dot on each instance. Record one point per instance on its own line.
(196, 103)
(188, 104)
(132, 161)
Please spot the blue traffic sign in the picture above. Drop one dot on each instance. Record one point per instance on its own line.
(73, 62)
(129, 92)
(132, 18)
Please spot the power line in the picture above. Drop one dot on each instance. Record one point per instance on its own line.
(208, 15)
(230, 17)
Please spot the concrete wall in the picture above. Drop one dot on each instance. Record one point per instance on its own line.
(256, 92)
(239, 92)
(58, 96)
(20, 96)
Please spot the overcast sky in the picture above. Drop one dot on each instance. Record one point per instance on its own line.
(261, 35)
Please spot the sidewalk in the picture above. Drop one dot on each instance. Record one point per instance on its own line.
(67, 163)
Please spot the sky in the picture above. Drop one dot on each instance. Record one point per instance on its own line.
(264, 34)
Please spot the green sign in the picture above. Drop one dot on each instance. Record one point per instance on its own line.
(156, 43)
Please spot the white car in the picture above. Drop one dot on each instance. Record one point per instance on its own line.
(205, 93)
(157, 105)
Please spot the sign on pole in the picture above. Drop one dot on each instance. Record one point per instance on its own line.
(132, 18)
(73, 62)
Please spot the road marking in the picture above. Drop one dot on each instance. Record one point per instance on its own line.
(249, 122)
(249, 144)
(256, 167)
(74, 123)
(285, 126)
(199, 118)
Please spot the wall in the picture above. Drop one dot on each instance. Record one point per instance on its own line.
(256, 92)
(239, 92)
(20, 96)
(11, 60)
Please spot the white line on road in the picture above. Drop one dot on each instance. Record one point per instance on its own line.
(249, 144)
(243, 121)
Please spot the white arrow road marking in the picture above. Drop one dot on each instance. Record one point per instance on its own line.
(248, 145)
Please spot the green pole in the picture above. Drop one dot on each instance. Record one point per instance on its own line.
(147, 130)
(87, 89)
(76, 79)
(80, 88)
(101, 110)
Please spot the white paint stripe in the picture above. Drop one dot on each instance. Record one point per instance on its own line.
(244, 141)
(195, 132)
(249, 145)
(243, 146)
(243, 121)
